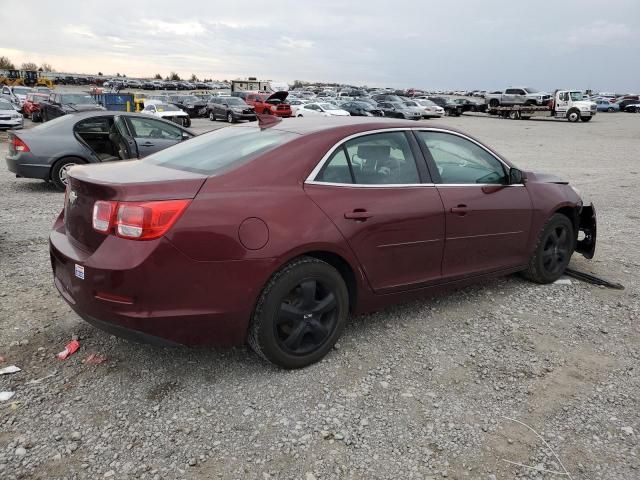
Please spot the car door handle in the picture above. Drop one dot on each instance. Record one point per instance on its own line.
(359, 215)
(461, 210)
(148, 144)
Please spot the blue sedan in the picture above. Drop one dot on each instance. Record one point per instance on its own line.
(606, 106)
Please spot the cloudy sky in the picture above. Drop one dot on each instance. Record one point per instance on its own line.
(422, 43)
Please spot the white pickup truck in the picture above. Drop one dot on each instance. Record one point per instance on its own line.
(518, 96)
(567, 104)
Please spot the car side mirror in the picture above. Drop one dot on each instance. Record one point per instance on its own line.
(185, 136)
(516, 177)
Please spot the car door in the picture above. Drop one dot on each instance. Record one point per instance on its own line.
(218, 108)
(487, 219)
(383, 202)
(152, 135)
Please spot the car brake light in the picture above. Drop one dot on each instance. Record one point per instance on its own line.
(19, 145)
(137, 220)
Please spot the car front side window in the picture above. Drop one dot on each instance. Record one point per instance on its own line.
(460, 161)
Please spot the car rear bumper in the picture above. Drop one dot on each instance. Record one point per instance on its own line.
(155, 293)
(23, 168)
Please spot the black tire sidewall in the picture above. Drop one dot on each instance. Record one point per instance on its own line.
(270, 303)
(541, 275)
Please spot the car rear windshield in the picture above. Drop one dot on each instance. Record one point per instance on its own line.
(218, 151)
(77, 99)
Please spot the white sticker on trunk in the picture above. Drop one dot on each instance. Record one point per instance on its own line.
(80, 271)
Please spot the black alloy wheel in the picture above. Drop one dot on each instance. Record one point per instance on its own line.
(556, 250)
(307, 316)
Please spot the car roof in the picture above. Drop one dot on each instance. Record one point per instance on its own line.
(346, 125)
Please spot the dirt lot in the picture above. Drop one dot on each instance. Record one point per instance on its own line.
(422, 390)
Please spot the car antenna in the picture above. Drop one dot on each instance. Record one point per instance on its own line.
(267, 121)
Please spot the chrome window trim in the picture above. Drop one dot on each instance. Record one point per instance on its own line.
(310, 180)
(371, 185)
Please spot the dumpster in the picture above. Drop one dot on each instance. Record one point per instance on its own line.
(119, 102)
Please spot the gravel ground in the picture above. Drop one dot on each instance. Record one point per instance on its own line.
(423, 390)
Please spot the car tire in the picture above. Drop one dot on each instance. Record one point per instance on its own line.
(186, 122)
(553, 251)
(230, 118)
(494, 102)
(59, 171)
(573, 116)
(611, 109)
(212, 116)
(290, 327)
(586, 119)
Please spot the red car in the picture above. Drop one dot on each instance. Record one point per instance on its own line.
(274, 104)
(31, 107)
(274, 234)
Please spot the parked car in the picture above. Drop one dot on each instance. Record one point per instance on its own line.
(400, 110)
(467, 105)
(633, 107)
(48, 151)
(134, 84)
(31, 107)
(518, 96)
(324, 109)
(167, 111)
(194, 106)
(450, 108)
(358, 108)
(19, 93)
(604, 105)
(46, 90)
(62, 103)
(287, 291)
(430, 109)
(273, 104)
(10, 117)
(623, 104)
(231, 109)
(148, 85)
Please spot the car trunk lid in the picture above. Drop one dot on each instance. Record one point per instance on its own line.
(131, 181)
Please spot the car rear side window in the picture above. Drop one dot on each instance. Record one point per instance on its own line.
(218, 151)
(375, 159)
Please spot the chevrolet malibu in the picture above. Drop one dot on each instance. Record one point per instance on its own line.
(273, 234)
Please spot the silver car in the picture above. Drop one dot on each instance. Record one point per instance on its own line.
(48, 151)
(10, 117)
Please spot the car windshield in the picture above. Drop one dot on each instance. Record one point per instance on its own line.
(411, 104)
(531, 90)
(216, 152)
(77, 99)
(396, 104)
(328, 106)
(576, 96)
(5, 105)
(167, 107)
(21, 90)
(426, 103)
(234, 101)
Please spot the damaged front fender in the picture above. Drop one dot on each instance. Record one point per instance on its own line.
(587, 218)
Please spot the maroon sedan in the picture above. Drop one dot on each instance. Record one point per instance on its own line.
(272, 236)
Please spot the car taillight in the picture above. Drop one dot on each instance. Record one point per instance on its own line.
(19, 146)
(137, 220)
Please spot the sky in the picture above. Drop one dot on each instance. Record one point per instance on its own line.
(453, 44)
